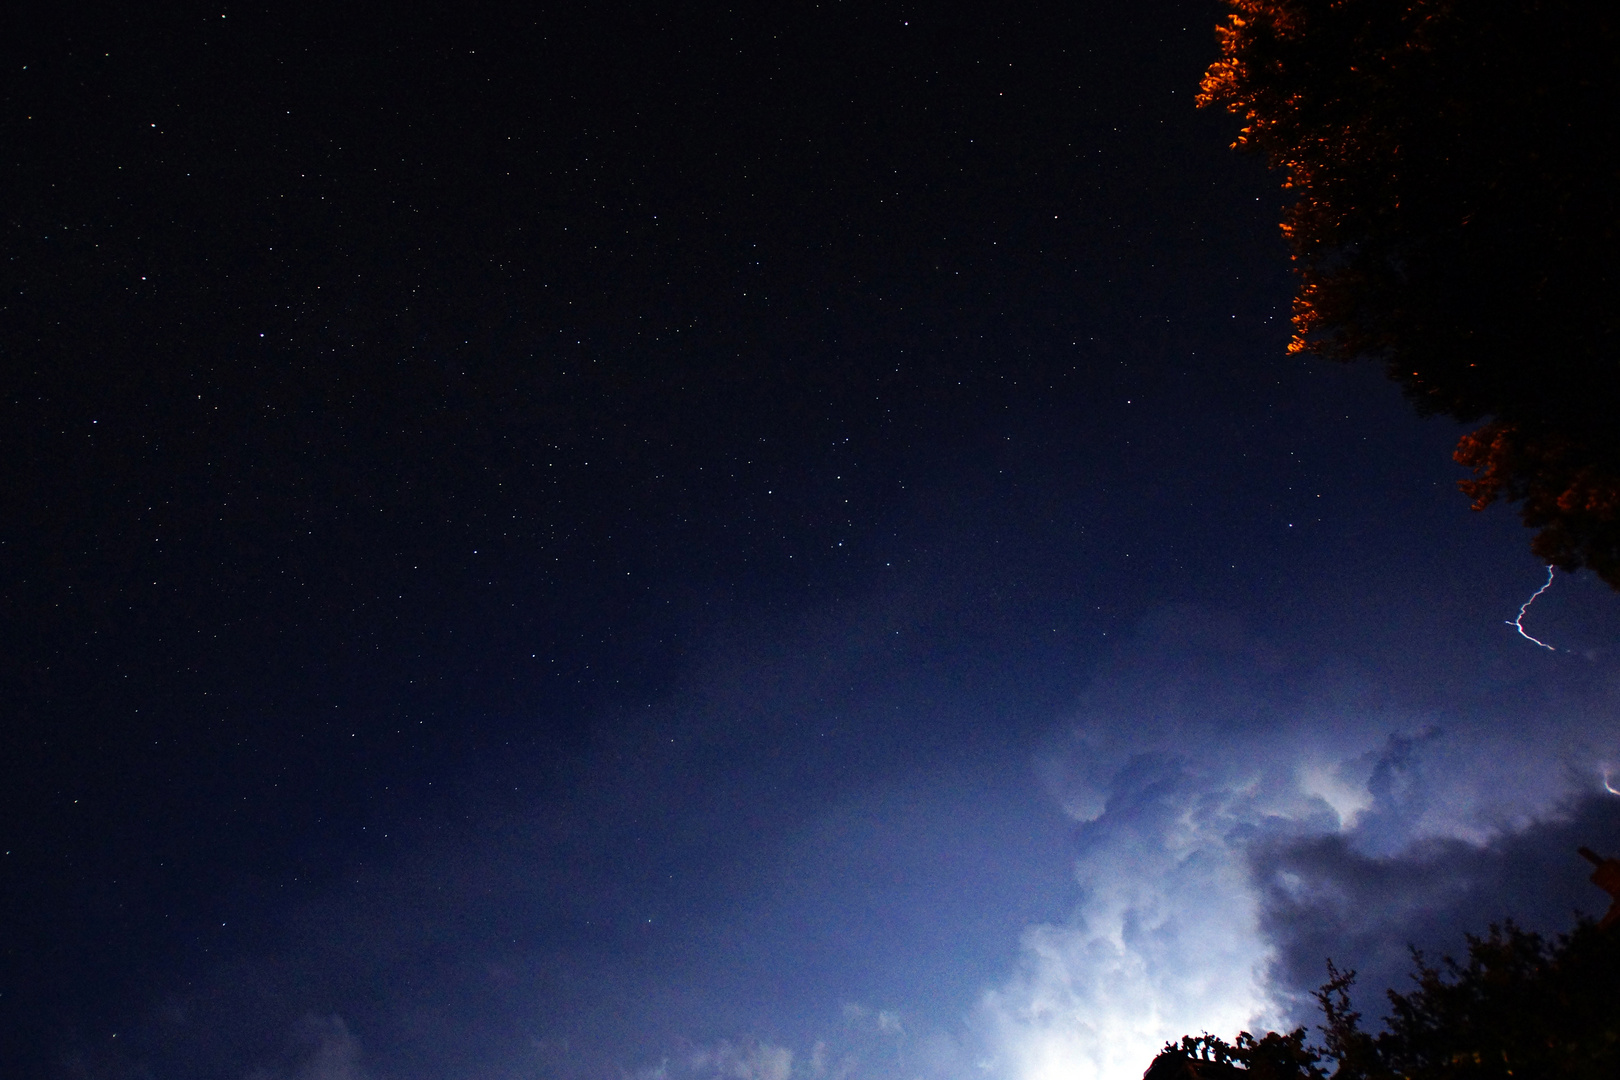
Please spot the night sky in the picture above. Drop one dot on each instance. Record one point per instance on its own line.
(602, 541)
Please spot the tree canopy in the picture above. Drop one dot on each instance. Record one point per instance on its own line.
(1457, 181)
(1520, 1006)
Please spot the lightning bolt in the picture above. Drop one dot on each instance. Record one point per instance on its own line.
(1518, 624)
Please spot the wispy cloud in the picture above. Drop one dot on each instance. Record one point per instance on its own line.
(747, 1059)
(319, 1048)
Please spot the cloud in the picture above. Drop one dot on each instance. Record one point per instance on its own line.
(750, 1059)
(882, 1021)
(1321, 897)
(1231, 813)
(320, 1048)
(1240, 816)
(1239, 813)
(868, 1044)
(1165, 940)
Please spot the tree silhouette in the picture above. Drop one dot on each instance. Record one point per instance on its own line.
(1208, 1057)
(1521, 1006)
(1456, 219)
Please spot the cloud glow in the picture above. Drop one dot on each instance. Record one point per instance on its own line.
(1178, 783)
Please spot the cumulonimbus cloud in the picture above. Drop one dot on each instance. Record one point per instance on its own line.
(1239, 819)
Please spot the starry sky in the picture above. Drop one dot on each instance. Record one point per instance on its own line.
(773, 543)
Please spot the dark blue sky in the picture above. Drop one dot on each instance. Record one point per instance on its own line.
(764, 544)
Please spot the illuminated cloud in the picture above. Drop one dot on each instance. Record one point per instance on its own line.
(1237, 823)
(1166, 939)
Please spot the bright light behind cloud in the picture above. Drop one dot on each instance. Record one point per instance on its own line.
(1175, 770)
(1167, 939)
(1236, 819)
(1349, 798)
(1165, 942)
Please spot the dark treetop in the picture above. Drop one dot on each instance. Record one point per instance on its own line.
(1520, 1006)
(1456, 221)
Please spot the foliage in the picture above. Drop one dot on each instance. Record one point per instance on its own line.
(1457, 202)
(1209, 1057)
(1521, 1006)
